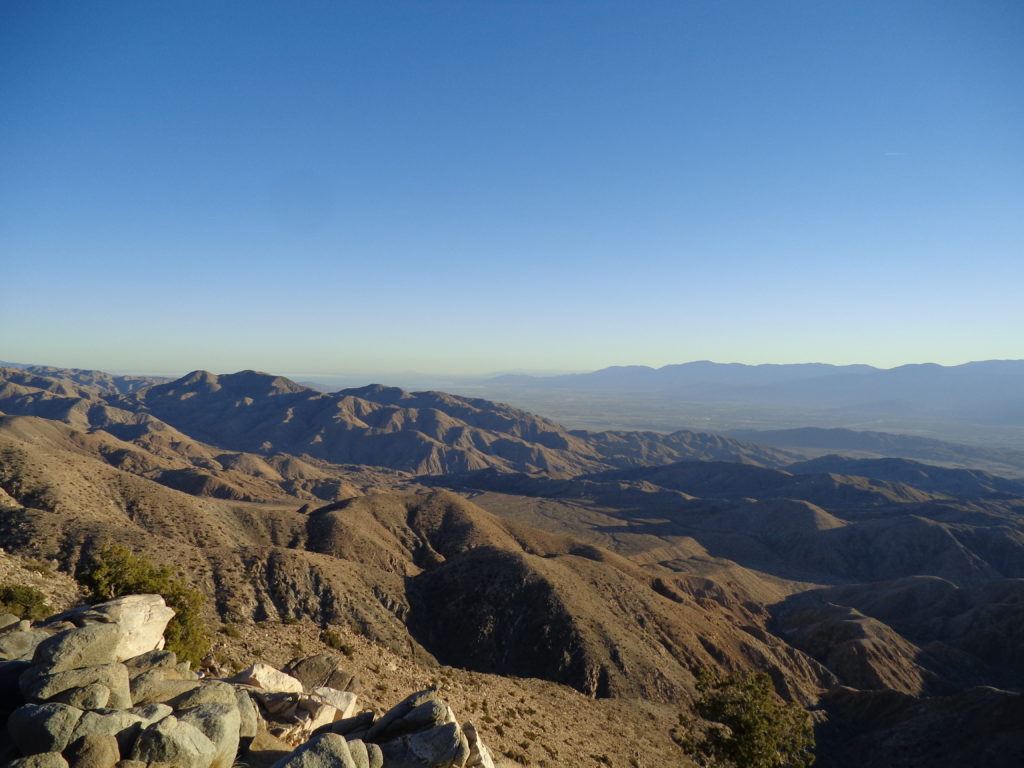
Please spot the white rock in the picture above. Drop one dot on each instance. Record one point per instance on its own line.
(142, 620)
(269, 679)
(479, 755)
(343, 701)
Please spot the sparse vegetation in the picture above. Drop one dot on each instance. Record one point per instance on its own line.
(115, 571)
(23, 601)
(749, 726)
(332, 639)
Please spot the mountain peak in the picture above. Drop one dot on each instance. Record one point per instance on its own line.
(378, 393)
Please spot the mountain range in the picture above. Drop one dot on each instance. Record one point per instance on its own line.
(976, 403)
(882, 593)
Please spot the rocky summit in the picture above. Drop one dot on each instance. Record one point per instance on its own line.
(93, 687)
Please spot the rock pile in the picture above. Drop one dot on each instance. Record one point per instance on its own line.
(93, 687)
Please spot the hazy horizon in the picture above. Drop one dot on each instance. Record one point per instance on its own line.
(400, 373)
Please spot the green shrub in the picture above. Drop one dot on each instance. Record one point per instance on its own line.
(115, 571)
(750, 727)
(332, 639)
(24, 602)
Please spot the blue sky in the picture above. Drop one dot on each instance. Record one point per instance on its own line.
(475, 186)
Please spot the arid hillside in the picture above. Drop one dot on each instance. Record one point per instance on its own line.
(461, 534)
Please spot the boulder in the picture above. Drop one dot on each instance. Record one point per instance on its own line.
(365, 755)
(151, 713)
(140, 619)
(91, 696)
(176, 742)
(153, 686)
(343, 701)
(162, 659)
(8, 620)
(208, 692)
(89, 646)
(123, 726)
(38, 728)
(97, 750)
(324, 669)
(21, 625)
(479, 755)
(439, 747)
(21, 644)
(38, 684)
(220, 724)
(249, 716)
(269, 679)
(420, 711)
(328, 750)
(349, 727)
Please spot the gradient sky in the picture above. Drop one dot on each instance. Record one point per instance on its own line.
(336, 187)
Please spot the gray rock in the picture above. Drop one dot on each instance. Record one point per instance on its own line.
(479, 755)
(41, 760)
(38, 728)
(123, 726)
(21, 643)
(220, 724)
(360, 756)
(175, 742)
(89, 646)
(140, 620)
(151, 713)
(420, 711)
(249, 716)
(38, 685)
(376, 755)
(324, 669)
(131, 764)
(8, 620)
(91, 696)
(444, 746)
(328, 750)
(209, 692)
(152, 687)
(97, 750)
(350, 726)
(151, 660)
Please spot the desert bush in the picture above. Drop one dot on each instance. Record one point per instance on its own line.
(332, 639)
(23, 601)
(115, 571)
(748, 725)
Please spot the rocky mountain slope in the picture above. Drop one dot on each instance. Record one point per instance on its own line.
(423, 433)
(599, 562)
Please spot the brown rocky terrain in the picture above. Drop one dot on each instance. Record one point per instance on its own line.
(423, 433)
(472, 543)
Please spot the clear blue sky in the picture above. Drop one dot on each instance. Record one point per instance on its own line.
(338, 187)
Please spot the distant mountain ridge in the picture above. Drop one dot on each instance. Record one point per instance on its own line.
(835, 440)
(421, 432)
(979, 403)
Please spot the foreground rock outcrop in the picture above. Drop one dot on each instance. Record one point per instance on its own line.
(93, 687)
